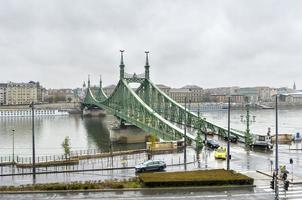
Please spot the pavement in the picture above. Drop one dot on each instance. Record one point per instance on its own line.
(259, 192)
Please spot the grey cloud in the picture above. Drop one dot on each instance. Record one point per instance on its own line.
(208, 43)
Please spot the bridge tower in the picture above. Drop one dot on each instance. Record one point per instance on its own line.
(88, 86)
(147, 76)
(147, 72)
(122, 66)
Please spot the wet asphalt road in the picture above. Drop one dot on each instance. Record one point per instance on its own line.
(241, 161)
(260, 192)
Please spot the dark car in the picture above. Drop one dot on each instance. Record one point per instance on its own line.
(233, 138)
(151, 165)
(212, 144)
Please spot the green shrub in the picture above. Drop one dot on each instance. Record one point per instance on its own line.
(195, 178)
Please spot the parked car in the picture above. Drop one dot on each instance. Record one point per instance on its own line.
(262, 141)
(212, 144)
(151, 165)
(211, 133)
(297, 137)
(233, 138)
(220, 153)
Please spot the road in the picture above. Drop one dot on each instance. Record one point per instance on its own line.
(244, 161)
(260, 192)
(241, 161)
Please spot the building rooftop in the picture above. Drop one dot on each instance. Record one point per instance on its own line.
(191, 87)
(110, 86)
(162, 86)
(180, 90)
(294, 94)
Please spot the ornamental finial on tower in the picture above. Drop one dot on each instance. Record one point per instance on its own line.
(88, 81)
(147, 58)
(100, 81)
(122, 57)
(122, 66)
(147, 72)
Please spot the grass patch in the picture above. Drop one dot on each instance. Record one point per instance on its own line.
(108, 184)
(195, 178)
(74, 161)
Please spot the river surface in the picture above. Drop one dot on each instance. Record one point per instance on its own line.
(93, 133)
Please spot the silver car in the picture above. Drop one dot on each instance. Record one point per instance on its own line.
(151, 165)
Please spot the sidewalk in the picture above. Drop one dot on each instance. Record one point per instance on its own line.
(259, 179)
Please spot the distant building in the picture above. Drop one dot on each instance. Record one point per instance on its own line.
(60, 95)
(23, 93)
(79, 94)
(221, 90)
(179, 95)
(3, 87)
(285, 90)
(257, 94)
(293, 98)
(224, 98)
(164, 88)
(108, 90)
(193, 93)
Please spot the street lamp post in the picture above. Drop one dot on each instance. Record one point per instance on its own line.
(33, 141)
(276, 154)
(13, 130)
(205, 143)
(229, 119)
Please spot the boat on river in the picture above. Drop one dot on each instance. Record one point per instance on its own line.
(28, 112)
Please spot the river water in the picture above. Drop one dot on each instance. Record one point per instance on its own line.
(93, 133)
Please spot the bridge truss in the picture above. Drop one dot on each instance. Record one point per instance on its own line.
(151, 109)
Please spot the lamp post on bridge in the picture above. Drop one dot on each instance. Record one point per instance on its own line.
(247, 133)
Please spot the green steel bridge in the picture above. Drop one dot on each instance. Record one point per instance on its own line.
(152, 110)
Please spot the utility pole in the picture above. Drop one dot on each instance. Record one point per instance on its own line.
(229, 119)
(33, 141)
(185, 139)
(276, 154)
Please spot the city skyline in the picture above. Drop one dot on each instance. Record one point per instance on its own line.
(211, 44)
(95, 83)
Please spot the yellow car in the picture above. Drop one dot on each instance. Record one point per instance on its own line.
(221, 153)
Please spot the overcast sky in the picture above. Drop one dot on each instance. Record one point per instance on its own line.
(207, 43)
